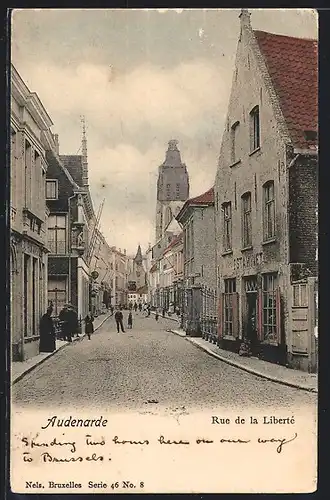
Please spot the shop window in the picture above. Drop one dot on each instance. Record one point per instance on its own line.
(269, 211)
(254, 129)
(228, 313)
(246, 220)
(57, 234)
(269, 307)
(227, 226)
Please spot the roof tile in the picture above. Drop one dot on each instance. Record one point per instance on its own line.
(293, 67)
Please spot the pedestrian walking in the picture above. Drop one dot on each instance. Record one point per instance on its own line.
(163, 312)
(63, 317)
(135, 306)
(71, 322)
(47, 332)
(89, 325)
(140, 307)
(130, 320)
(156, 315)
(148, 309)
(119, 320)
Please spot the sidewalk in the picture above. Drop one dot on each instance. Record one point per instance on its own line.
(264, 369)
(173, 316)
(21, 368)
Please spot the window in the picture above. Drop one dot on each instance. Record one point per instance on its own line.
(269, 211)
(57, 293)
(254, 129)
(227, 226)
(269, 307)
(168, 190)
(300, 295)
(234, 134)
(246, 220)
(57, 234)
(230, 290)
(178, 190)
(51, 189)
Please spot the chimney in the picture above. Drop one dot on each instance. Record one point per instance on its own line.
(245, 18)
(57, 144)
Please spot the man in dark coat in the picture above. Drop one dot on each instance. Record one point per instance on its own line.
(47, 332)
(89, 326)
(72, 318)
(119, 320)
(63, 317)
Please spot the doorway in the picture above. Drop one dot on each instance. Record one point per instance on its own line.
(251, 298)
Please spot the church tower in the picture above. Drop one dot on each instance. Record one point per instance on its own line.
(172, 188)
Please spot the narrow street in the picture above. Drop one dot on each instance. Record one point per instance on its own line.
(146, 367)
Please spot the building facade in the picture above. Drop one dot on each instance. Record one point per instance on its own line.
(266, 200)
(71, 216)
(171, 277)
(197, 218)
(120, 266)
(28, 218)
(102, 274)
(172, 188)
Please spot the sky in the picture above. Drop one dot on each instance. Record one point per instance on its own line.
(140, 78)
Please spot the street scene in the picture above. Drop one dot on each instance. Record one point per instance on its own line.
(164, 209)
(148, 369)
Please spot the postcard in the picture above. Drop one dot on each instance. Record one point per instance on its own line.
(163, 250)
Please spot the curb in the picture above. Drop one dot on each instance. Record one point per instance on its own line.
(76, 339)
(167, 317)
(246, 368)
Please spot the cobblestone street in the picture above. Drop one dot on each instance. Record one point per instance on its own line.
(144, 368)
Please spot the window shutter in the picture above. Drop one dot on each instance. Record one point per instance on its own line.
(278, 315)
(235, 314)
(260, 315)
(220, 315)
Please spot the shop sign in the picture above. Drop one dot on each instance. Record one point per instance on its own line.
(248, 261)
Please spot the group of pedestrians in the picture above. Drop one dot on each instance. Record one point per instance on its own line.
(69, 324)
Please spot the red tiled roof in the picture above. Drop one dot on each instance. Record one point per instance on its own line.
(293, 67)
(176, 239)
(207, 197)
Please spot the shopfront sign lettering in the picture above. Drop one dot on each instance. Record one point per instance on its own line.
(247, 261)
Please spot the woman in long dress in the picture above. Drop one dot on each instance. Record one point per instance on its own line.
(47, 333)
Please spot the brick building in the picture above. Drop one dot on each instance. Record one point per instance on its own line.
(28, 217)
(266, 199)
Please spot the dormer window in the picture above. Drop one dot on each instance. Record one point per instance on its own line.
(51, 189)
(254, 129)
